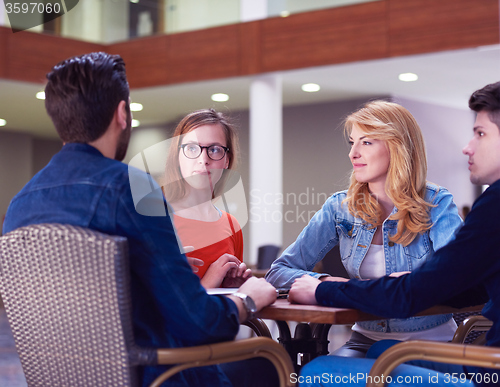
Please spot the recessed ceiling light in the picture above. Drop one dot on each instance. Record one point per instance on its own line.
(136, 107)
(3, 122)
(284, 13)
(135, 123)
(40, 95)
(134, 1)
(310, 87)
(408, 77)
(220, 97)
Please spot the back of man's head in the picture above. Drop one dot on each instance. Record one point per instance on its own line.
(82, 95)
(487, 99)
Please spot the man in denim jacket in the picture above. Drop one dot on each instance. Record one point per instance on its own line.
(86, 185)
(465, 272)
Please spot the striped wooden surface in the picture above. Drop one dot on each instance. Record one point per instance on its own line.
(380, 29)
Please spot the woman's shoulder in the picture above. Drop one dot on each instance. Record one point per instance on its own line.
(338, 196)
(432, 187)
(336, 204)
(434, 192)
(232, 219)
(227, 214)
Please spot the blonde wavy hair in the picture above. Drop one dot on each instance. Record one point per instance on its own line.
(406, 176)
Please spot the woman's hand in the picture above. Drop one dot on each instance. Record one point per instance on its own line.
(236, 277)
(193, 262)
(218, 270)
(303, 290)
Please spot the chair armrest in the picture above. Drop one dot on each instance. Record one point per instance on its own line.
(203, 355)
(473, 323)
(259, 327)
(472, 355)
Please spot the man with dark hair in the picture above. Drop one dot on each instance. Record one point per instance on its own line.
(487, 99)
(463, 273)
(82, 113)
(86, 185)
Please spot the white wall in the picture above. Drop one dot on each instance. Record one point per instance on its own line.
(43, 150)
(446, 131)
(16, 158)
(186, 15)
(115, 21)
(315, 160)
(100, 21)
(3, 15)
(251, 10)
(275, 7)
(143, 138)
(21, 156)
(84, 21)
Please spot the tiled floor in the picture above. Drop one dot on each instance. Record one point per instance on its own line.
(11, 373)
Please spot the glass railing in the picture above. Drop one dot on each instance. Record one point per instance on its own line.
(109, 21)
(287, 7)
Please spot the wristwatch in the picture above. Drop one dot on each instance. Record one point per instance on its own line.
(248, 303)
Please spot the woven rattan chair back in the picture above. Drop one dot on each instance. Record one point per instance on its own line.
(460, 317)
(66, 293)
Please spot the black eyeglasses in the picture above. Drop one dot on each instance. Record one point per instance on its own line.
(214, 152)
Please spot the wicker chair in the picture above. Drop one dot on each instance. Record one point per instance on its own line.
(66, 293)
(472, 328)
(472, 355)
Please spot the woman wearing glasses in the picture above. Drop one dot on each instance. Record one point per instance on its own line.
(203, 148)
(389, 221)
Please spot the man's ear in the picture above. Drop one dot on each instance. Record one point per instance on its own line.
(121, 114)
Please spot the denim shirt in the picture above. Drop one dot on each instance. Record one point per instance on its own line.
(170, 308)
(334, 224)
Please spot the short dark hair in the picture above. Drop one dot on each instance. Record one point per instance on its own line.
(487, 99)
(83, 93)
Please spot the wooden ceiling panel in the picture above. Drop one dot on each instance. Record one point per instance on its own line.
(379, 29)
(4, 59)
(31, 55)
(249, 47)
(420, 26)
(208, 54)
(146, 60)
(325, 37)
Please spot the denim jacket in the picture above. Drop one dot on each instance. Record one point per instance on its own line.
(169, 306)
(334, 224)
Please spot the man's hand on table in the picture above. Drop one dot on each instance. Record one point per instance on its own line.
(303, 290)
(259, 290)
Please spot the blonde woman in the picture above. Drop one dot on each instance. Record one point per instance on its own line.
(389, 221)
(203, 150)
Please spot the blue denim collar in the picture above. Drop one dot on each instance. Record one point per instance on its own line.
(81, 147)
